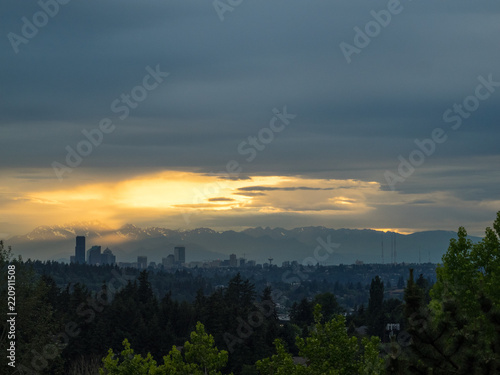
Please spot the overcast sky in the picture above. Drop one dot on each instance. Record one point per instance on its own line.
(335, 100)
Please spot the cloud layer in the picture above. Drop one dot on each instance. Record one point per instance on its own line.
(227, 81)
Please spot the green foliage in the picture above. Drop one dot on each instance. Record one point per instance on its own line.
(328, 350)
(130, 363)
(200, 356)
(201, 351)
(469, 270)
(371, 363)
(280, 363)
(459, 332)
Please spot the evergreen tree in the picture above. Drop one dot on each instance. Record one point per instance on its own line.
(329, 305)
(375, 313)
(271, 324)
(302, 314)
(36, 346)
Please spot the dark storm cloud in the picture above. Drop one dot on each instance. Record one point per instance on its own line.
(288, 188)
(353, 120)
(250, 194)
(235, 178)
(422, 201)
(464, 183)
(221, 199)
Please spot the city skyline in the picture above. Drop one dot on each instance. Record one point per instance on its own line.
(175, 260)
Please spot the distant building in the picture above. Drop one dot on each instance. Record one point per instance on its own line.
(94, 255)
(107, 257)
(233, 262)
(169, 261)
(142, 262)
(80, 250)
(180, 254)
(392, 327)
(242, 262)
(215, 263)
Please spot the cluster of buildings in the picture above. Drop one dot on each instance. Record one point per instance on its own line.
(94, 256)
(175, 260)
(233, 261)
(178, 258)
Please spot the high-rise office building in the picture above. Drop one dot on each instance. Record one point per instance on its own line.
(107, 257)
(180, 254)
(80, 250)
(169, 261)
(142, 262)
(94, 255)
(233, 262)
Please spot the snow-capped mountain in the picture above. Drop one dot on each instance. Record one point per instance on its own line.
(84, 228)
(58, 241)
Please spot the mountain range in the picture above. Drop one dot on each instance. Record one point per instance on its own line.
(58, 243)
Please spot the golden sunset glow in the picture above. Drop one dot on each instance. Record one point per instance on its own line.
(395, 230)
(170, 193)
(187, 200)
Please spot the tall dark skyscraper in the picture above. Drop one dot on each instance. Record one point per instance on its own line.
(80, 250)
(233, 262)
(180, 254)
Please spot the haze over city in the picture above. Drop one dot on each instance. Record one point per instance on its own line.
(277, 114)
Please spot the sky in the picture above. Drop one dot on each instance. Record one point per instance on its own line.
(231, 114)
